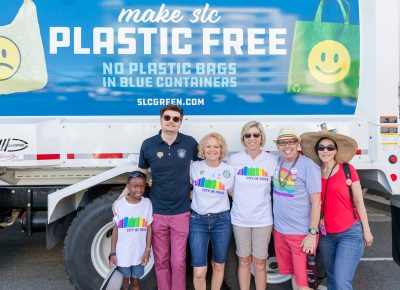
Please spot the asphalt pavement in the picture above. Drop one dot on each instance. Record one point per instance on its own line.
(27, 264)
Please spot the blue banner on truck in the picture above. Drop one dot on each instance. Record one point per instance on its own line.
(123, 57)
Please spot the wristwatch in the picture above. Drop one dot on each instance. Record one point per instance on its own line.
(313, 231)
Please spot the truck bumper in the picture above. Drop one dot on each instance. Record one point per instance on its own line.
(396, 233)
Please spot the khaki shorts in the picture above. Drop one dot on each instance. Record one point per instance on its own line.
(252, 241)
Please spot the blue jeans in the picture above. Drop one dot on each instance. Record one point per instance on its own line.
(203, 228)
(132, 271)
(341, 254)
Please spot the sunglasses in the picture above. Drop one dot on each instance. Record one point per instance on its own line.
(329, 147)
(136, 174)
(168, 118)
(248, 135)
(283, 143)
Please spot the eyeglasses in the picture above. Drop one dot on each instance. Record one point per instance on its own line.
(329, 147)
(248, 135)
(284, 143)
(168, 118)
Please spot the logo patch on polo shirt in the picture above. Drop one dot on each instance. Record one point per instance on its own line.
(160, 154)
(181, 153)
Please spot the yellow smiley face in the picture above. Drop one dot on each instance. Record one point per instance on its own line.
(10, 58)
(329, 61)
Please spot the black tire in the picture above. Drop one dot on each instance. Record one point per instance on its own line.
(80, 238)
(231, 267)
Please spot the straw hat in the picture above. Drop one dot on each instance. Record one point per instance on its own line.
(285, 134)
(346, 146)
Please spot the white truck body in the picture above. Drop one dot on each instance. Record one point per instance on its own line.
(72, 153)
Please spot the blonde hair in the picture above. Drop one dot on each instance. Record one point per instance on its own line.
(221, 142)
(248, 126)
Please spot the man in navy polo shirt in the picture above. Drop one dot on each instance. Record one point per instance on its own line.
(168, 155)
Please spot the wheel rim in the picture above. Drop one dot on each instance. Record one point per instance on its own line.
(273, 276)
(100, 249)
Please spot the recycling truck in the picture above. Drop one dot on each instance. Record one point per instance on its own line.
(82, 83)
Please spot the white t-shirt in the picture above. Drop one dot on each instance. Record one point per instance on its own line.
(132, 221)
(252, 192)
(210, 187)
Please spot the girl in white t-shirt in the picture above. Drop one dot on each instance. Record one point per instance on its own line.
(251, 208)
(131, 237)
(210, 218)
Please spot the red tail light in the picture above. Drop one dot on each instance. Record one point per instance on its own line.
(392, 159)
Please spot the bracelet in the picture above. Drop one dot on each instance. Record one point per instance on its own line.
(148, 249)
(110, 255)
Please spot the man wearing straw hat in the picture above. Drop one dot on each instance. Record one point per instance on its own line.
(296, 194)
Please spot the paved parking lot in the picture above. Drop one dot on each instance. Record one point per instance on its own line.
(26, 264)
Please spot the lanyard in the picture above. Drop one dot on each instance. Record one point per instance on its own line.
(326, 189)
(285, 180)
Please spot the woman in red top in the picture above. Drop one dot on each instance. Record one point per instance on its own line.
(344, 228)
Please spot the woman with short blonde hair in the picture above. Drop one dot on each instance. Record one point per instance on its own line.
(247, 127)
(221, 141)
(210, 218)
(251, 212)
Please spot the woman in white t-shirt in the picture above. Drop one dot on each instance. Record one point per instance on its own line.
(251, 212)
(210, 218)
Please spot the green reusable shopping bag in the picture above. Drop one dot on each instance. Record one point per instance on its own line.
(325, 57)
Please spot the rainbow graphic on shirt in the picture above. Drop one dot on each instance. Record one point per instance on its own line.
(133, 222)
(252, 171)
(210, 184)
(289, 189)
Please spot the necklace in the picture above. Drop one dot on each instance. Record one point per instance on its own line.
(286, 178)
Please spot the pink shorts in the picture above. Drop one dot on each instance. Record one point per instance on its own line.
(290, 257)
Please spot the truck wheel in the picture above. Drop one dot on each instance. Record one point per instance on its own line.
(232, 264)
(273, 276)
(88, 243)
(231, 267)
